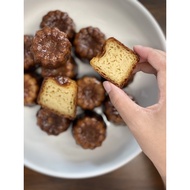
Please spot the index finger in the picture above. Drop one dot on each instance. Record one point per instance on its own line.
(156, 58)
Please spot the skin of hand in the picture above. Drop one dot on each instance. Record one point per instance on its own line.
(148, 124)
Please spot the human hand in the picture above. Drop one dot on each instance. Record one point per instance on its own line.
(148, 125)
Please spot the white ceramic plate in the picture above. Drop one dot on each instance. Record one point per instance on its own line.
(59, 156)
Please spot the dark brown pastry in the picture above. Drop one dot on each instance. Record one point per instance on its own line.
(52, 123)
(91, 92)
(111, 113)
(51, 47)
(31, 89)
(69, 69)
(29, 62)
(88, 42)
(61, 20)
(89, 130)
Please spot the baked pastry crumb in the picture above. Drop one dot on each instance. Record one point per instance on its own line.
(59, 95)
(115, 62)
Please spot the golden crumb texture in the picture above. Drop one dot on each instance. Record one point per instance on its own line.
(116, 62)
(59, 94)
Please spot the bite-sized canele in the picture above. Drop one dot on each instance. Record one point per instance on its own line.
(52, 123)
(91, 92)
(31, 89)
(89, 130)
(51, 47)
(29, 63)
(88, 42)
(61, 20)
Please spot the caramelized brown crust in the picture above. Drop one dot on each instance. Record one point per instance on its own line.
(61, 20)
(52, 123)
(29, 62)
(31, 89)
(91, 93)
(88, 42)
(51, 47)
(69, 69)
(89, 130)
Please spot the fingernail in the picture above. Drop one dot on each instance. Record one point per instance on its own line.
(107, 86)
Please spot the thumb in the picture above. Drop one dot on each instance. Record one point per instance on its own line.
(126, 107)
